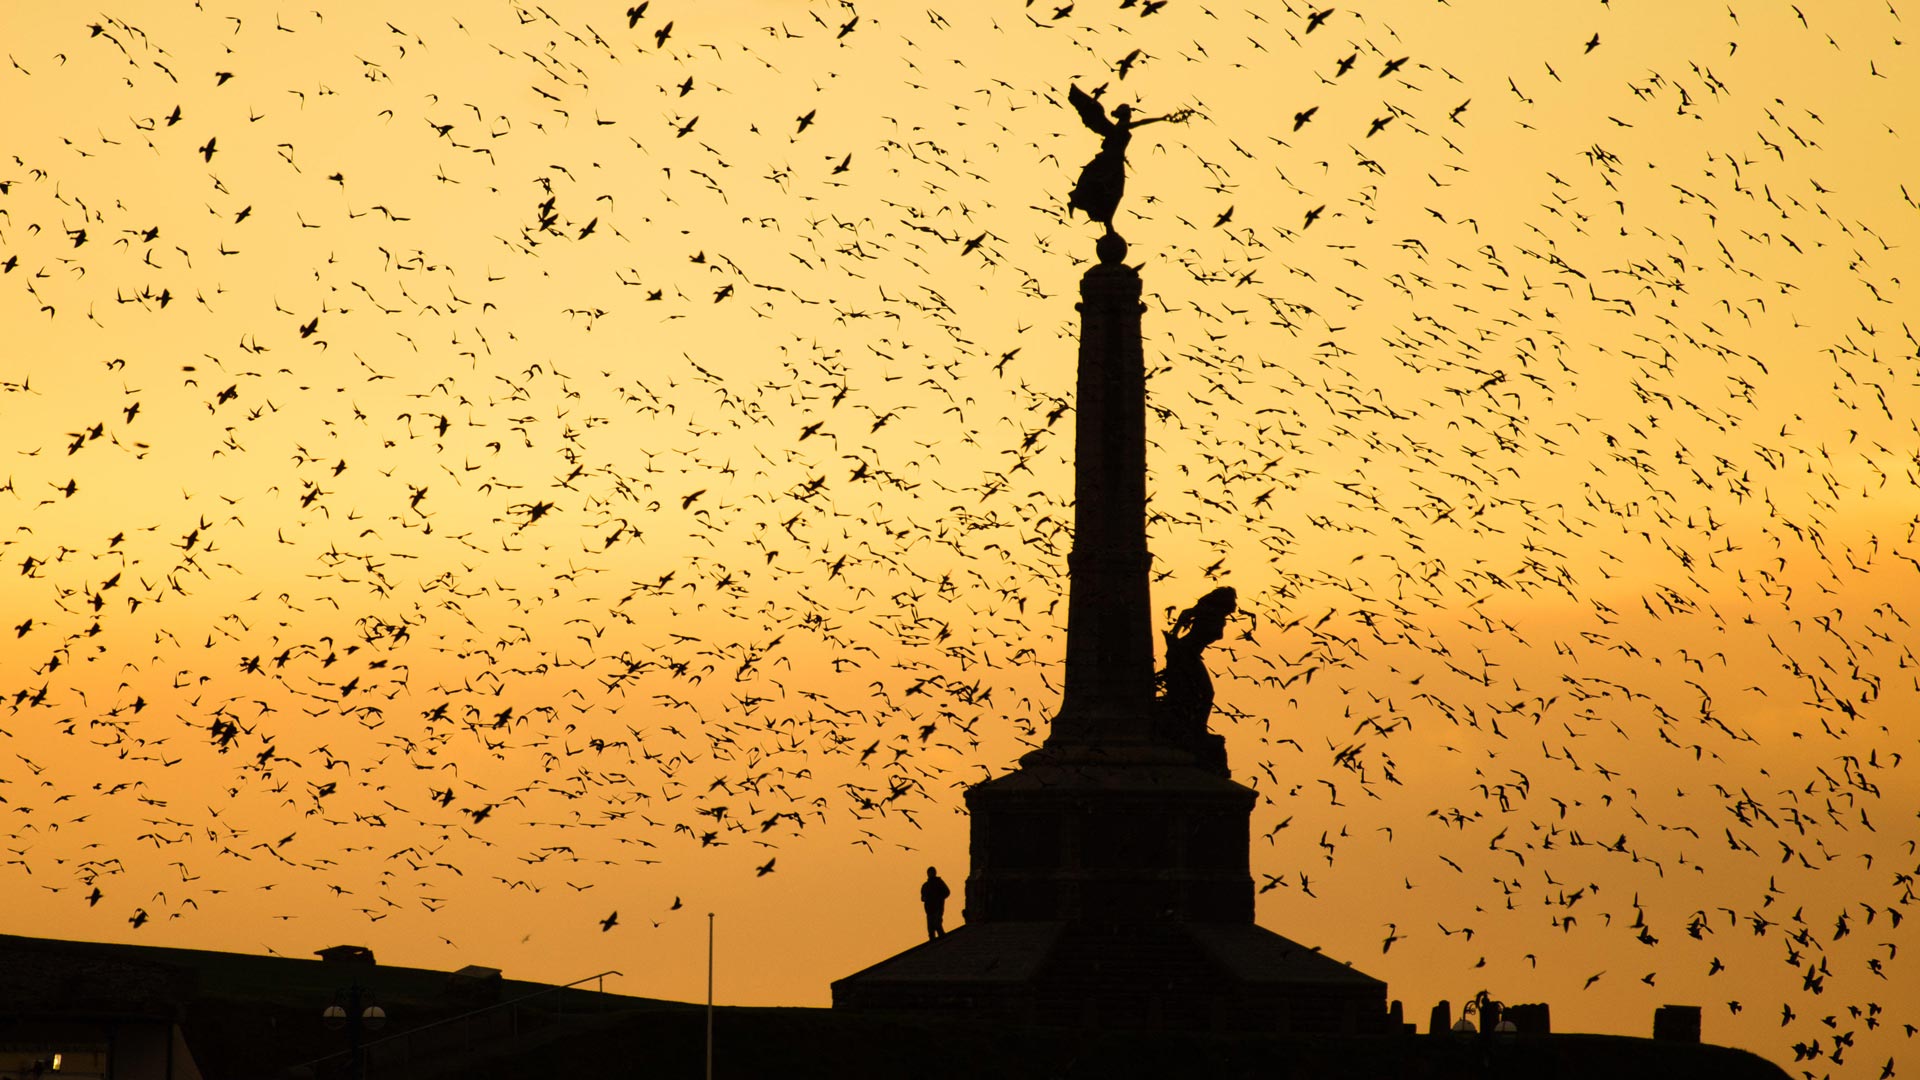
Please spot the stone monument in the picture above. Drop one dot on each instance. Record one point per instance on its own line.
(1109, 884)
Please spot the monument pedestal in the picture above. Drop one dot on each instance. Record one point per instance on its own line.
(1111, 890)
(1110, 843)
(1162, 975)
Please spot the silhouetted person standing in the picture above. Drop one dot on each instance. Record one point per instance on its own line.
(933, 897)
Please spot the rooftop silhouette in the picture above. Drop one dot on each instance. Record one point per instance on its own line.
(240, 1017)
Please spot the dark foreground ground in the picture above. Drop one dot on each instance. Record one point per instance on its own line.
(801, 1044)
(259, 1018)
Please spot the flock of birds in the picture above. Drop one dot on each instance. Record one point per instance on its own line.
(457, 464)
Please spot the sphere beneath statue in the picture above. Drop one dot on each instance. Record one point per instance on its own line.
(1110, 247)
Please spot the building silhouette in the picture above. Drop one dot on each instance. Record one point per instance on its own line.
(136, 1012)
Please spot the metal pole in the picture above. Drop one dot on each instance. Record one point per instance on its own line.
(709, 995)
(357, 1063)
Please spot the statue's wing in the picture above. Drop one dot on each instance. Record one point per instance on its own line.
(1091, 114)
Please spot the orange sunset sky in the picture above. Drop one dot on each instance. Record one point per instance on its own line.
(466, 475)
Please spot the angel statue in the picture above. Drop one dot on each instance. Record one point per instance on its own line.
(1098, 190)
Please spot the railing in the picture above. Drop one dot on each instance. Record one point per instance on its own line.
(455, 1031)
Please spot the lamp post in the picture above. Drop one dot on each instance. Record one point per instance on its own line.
(709, 995)
(1493, 1030)
(358, 1014)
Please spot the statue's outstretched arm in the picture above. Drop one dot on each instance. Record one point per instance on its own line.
(1177, 116)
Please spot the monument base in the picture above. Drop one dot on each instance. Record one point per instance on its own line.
(1130, 833)
(1153, 976)
(1110, 890)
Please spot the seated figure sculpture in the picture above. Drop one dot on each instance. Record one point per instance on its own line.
(1186, 697)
